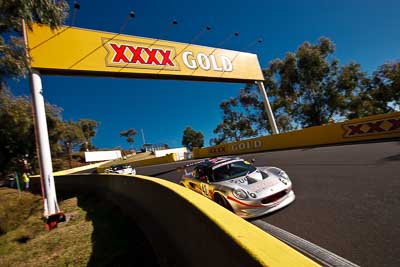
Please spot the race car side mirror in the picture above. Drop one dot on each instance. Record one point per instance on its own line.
(253, 161)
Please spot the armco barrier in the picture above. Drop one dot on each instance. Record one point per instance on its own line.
(78, 169)
(146, 162)
(369, 128)
(184, 228)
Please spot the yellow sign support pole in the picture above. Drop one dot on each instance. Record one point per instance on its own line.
(268, 108)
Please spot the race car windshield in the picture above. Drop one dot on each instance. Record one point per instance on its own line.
(232, 170)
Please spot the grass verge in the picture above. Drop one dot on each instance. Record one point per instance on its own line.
(96, 234)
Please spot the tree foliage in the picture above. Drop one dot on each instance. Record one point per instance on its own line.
(236, 124)
(16, 132)
(17, 137)
(72, 136)
(13, 61)
(309, 88)
(385, 87)
(88, 128)
(192, 138)
(303, 84)
(129, 135)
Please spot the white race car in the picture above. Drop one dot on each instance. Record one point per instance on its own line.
(121, 169)
(239, 186)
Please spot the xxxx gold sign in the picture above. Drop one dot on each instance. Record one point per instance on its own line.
(125, 54)
(373, 127)
(237, 147)
(75, 51)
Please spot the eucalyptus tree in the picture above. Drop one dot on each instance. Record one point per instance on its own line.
(72, 137)
(89, 128)
(192, 138)
(13, 60)
(129, 135)
(17, 139)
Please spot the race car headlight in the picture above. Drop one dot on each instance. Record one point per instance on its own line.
(239, 194)
(283, 174)
(279, 172)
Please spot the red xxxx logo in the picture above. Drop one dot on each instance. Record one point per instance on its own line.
(139, 55)
(372, 127)
(216, 150)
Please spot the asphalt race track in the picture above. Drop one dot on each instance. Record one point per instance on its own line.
(348, 198)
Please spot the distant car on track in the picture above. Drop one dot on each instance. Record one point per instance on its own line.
(239, 186)
(121, 169)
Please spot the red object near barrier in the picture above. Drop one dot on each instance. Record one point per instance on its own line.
(53, 220)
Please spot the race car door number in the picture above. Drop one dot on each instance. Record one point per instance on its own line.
(205, 190)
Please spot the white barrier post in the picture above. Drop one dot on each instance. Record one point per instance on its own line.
(267, 106)
(51, 209)
(43, 147)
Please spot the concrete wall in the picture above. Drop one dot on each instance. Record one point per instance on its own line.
(102, 155)
(146, 162)
(180, 152)
(184, 228)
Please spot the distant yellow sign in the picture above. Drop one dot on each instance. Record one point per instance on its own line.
(75, 51)
(384, 126)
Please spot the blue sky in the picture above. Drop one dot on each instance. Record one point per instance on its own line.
(364, 31)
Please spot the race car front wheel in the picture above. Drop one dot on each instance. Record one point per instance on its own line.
(220, 200)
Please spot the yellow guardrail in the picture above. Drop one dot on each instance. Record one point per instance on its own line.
(185, 228)
(78, 169)
(129, 159)
(140, 163)
(73, 170)
(368, 128)
(265, 248)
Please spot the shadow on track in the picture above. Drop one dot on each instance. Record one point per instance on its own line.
(163, 172)
(392, 158)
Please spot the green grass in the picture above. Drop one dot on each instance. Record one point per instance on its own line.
(96, 234)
